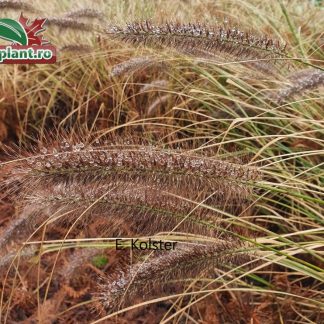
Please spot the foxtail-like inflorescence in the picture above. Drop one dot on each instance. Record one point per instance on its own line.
(17, 5)
(300, 82)
(146, 207)
(84, 13)
(69, 23)
(137, 183)
(202, 40)
(67, 161)
(134, 64)
(185, 262)
(19, 227)
(77, 48)
(26, 253)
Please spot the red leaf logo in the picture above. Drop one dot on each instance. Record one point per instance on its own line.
(33, 29)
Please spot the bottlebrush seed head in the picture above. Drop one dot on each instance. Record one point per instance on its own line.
(161, 166)
(184, 262)
(202, 40)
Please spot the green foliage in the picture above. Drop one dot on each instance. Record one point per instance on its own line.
(100, 261)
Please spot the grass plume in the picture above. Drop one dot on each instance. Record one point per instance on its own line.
(301, 81)
(16, 5)
(69, 23)
(69, 160)
(146, 207)
(139, 184)
(134, 64)
(188, 261)
(17, 228)
(26, 253)
(210, 41)
(78, 48)
(84, 13)
(155, 85)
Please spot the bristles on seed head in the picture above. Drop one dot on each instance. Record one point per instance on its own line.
(84, 13)
(192, 38)
(301, 81)
(182, 263)
(134, 64)
(69, 23)
(16, 5)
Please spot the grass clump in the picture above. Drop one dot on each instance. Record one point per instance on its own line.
(205, 134)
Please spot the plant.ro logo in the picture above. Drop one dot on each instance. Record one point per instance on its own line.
(27, 46)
